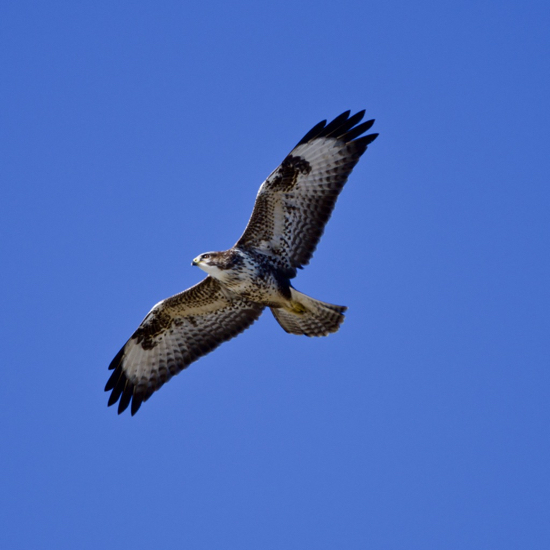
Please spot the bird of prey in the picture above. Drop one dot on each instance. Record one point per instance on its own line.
(292, 207)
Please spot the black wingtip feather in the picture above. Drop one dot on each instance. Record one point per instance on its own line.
(113, 379)
(117, 390)
(336, 124)
(121, 387)
(347, 125)
(136, 404)
(343, 127)
(368, 139)
(126, 397)
(313, 133)
(358, 130)
(118, 358)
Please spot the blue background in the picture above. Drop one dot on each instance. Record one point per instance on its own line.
(134, 136)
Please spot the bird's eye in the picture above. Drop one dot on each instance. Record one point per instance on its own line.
(206, 256)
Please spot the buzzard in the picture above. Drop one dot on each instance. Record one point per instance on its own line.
(292, 207)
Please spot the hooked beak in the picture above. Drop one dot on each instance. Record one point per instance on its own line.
(195, 262)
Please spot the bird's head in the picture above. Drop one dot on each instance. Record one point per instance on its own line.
(211, 262)
(217, 264)
(206, 259)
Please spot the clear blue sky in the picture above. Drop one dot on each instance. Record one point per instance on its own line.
(134, 136)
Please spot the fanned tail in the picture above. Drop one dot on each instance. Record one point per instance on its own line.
(308, 316)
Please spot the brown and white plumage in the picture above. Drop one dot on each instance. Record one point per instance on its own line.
(289, 216)
(295, 202)
(176, 332)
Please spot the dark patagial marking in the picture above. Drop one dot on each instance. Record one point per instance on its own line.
(145, 335)
(288, 173)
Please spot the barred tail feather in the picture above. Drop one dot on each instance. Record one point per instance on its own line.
(308, 316)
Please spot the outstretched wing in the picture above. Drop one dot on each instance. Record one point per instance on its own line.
(295, 202)
(176, 332)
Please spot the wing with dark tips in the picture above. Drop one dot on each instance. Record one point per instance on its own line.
(176, 332)
(296, 200)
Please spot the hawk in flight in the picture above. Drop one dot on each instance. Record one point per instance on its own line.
(292, 207)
